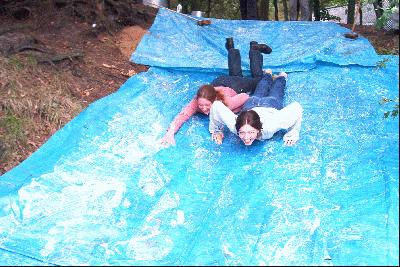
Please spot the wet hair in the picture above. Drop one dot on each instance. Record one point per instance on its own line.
(208, 92)
(249, 117)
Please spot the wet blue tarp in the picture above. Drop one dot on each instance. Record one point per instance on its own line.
(296, 45)
(102, 191)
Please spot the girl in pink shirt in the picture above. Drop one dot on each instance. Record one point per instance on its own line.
(202, 102)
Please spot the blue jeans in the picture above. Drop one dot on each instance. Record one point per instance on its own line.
(269, 93)
(235, 79)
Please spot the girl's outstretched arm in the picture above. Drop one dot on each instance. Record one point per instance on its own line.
(221, 116)
(188, 111)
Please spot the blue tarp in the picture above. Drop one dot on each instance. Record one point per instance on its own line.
(102, 191)
(177, 42)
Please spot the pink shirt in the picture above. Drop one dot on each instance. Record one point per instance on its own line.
(233, 101)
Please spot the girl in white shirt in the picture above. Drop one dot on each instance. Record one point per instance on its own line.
(262, 114)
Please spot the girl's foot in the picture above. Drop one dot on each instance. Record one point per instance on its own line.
(282, 74)
(268, 71)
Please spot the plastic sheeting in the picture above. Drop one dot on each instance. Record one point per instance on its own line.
(102, 191)
(178, 42)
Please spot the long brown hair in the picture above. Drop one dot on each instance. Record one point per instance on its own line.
(249, 117)
(208, 92)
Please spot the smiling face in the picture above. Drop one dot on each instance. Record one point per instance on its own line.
(248, 126)
(248, 134)
(206, 95)
(204, 105)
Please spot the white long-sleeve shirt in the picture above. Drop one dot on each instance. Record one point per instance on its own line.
(289, 118)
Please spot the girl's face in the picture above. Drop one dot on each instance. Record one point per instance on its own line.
(248, 134)
(204, 105)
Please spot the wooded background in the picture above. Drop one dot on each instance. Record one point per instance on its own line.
(125, 11)
(275, 9)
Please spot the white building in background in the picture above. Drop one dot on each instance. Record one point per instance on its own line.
(368, 13)
(368, 16)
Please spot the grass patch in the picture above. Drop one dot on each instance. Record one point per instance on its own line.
(46, 97)
(31, 107)
(12, 135)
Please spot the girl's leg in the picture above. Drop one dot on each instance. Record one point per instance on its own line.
(264, 86)
(250, 103)
(263, 97)
(266, 102)
(234, 62)
(256, 63)
(269, 102)
(278, 89)
(239, 84)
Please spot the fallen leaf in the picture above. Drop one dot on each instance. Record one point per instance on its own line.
(131, 72)
(32, 144)
(109, 66)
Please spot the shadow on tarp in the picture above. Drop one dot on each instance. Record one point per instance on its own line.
(101, 191)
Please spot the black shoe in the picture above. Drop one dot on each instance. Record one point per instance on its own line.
(229, 43)
(263, 48)
(253, 43)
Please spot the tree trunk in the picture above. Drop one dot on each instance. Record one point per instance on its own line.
(248, 9)
(185, 6)
(350, 11)
(196, 5)
(285, 10)
(243, 9)
(316, 7)
(209, 8)
(276, 10)
(252, 9)
(263, 15)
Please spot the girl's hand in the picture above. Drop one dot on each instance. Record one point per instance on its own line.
(290, 142)
(217, 137)
(168, 140)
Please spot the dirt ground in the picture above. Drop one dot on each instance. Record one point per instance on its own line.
(384, 42)
(105, 65)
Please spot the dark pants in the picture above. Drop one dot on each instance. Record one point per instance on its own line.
(269, 93)
(235, 80)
